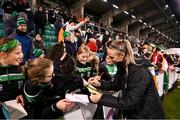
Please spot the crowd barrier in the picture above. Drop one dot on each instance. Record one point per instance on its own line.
(83, 112)
(86, 112)
(173, 76)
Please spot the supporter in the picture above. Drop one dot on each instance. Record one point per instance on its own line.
(71, 43)
(88, 34)
(38, 42)
(50, 36)
(108, 70)
(70, 46)
(136, 51)
(56, 52)
(101, 51)
(37, 91)
(87, 65)
(64, 68)
(13, 21)
(95, 61)
(176, 58)
(98, 41)
(38, 53)
(21, 6)
(139, 98)
(51, 14)
(58, 22)
(30, 17)
(11, 79)
(64, 14)
(145, 55)
(177, 63)
(78, 37)
(83, 64)
(156, 56)
(8, 7)
(22, 36)
(71, 16)
(169, 59)
(92, 45)
(40, 20)
(106, 37)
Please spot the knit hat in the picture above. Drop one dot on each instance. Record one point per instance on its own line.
(23, 15)
(20, 21)
(38, 52)
(66, 34)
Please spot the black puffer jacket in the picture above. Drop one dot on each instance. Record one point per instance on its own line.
(139, 99)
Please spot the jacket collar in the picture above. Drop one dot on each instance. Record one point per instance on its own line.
(131, 68)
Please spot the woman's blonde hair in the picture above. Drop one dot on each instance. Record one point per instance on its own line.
(123, 45)
(36, 69)
(83, 49)
(94, 62)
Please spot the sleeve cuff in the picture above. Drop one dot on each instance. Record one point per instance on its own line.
(107, 101)
(54, 108)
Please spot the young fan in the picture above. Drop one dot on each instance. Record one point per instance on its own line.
(107, 70)
(83, 64)
(11, 79)
(37, 91)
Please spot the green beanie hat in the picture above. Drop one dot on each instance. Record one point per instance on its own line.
(38, 52)
(66, 34)
(20, 21)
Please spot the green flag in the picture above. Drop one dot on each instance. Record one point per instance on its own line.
(166, 82)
